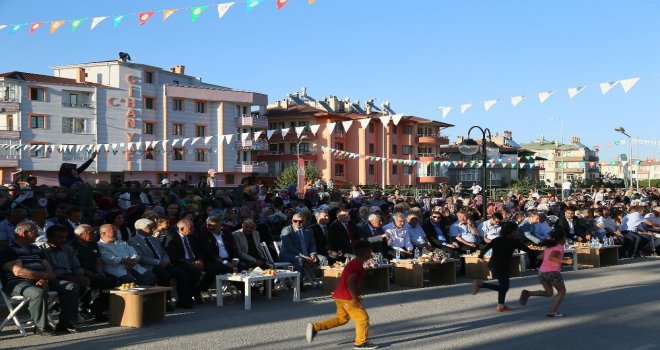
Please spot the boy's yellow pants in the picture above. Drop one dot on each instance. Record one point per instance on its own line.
(345, 312)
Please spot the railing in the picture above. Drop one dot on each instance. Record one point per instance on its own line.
(428, 135)
(9, 128)
(275, 153)
(339, 175)
(77, 105)
(8, 99)
(434, 155)
(250, 163)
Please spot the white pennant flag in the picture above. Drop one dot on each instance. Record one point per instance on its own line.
(223, 8)
(314, 128)
(175, 141)
(331, 127)
(515, 100)
(244, 136)
(33, 147)
(489, 103)
(364, 122)
(165, 144)
(284, 132)
(68, 148)
(299, 130)
(148, 144)
(154, 144)
(183, 143)
(26, 147)
(444, 110)
(396, 118)
(207, 139)
(114, 146)
(257, 135)
(269, 133)
(385, 119)
(627, 84)
(572, 92)
(228, 138)
(543, 96)
(606, 87)
(347, 125)
(194, 140)
(96, 21)
(465, 107)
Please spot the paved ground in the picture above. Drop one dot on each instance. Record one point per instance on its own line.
(609, 308)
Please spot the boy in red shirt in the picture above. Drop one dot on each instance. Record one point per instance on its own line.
(349, 303)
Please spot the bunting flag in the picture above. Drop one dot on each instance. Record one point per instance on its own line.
(257, 135)
(15, 28)
(228, 138)
(281, 3)
(223, 8)
(299, 130)
(572, 92)
(606, 87)
(364, 123)
(284, 132)
(251, 4)
(76, 23)
(627, 84)
(313, 128)
(3, 26)
(35, 26)
(347, 125)
(515, 100)
(488, 104)
(385, 119)
(269, 133)
(196, 11)
(543, 96)
(117, 20)
(144, 17)
(96, 21)
(311, 2)
(396, 118)
(168, 13)
(207, 139)
(465, 107)
(445, 111)
(331, 127)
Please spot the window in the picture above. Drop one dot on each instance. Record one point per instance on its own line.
(74, 125)
(371, 128)
(394, 129)
(394, 149)
(200, 155)
(407, 130)
(394, 169)
(372, 169)
(37, 121)
(229, 179)
(40, 151)
(339, 169)
(73, 100)
(339, 146)
(200, 131)
(200, 106)
(177, 129)
(148, 128)
(407, 170)
(304, 148)
(303, 123)
(149, 153)
(272, 126)
(37, 94)
(73, 155)
(371, 148)
(292, 124)
(178, 154)
(9, 153)
(148, 103)
(406, 150)
(149, 77)
(177, 104)
(469, 175)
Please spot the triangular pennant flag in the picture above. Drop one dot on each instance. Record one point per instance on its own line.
(96, 21)
(605, 87)
(244, 136)
(396, 118)
(138, 145)
(194, 140)
(269, 133)
(223, 8)
(284, 132)
(76, 23)
(627, 84)
(207, 139)
(385, 119)
(251, 4)
(331, 127)
(347, 125)
(543, 96)
(311, 2)
(117, 20)
(281, 3)
(444, 110)
(32, 147)
(122, 145)
(15, 28)
(165, 142)
(196, 11)
(515, 100)
(465, 107)
(257, 135)
(35, 26)
(175, 141)
(168, 13)
(572, 92)
(364, 122)
(144, 17)
(299, 130)
(489, 103)
(184, 141)
(228, 138)
(314, 128)
(3, 26)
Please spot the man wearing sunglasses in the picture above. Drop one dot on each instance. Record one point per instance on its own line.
(298, 244)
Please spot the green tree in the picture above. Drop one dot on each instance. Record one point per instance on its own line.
(290, 175)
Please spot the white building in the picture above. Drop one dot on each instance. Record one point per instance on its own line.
(126, 107)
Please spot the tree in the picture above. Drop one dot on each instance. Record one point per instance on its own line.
(290, 175)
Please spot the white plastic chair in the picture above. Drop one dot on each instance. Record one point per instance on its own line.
(14, 305)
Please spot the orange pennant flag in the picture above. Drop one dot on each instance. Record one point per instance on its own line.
(311, 2)
(168, 13)
(55, 25)
(35, 26)
(281, 3)
(143, 17)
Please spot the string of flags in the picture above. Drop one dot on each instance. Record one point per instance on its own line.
(141, 17)
(543, 96)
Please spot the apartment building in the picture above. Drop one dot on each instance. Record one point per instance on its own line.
(573, 160)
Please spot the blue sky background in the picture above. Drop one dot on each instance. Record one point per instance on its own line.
(416, 54)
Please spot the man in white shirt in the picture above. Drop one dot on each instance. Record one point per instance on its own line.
(490, 229)
(416, 233)
(465, 233)
(632, 227)
(476, 189)
(121, 260)
(397, 236)
(566, 189)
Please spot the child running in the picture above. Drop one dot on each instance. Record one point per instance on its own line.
(503, 248)
(550, 272)
(348, 301)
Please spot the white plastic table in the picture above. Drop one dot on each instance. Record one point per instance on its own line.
(249, 279)
(573, 251)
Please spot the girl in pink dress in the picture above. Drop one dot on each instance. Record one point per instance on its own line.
(550, 272)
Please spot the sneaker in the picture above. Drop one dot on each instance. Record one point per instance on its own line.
(366, 345)
(556, 314)
(310, 332)
(524, 296)
(476, 285)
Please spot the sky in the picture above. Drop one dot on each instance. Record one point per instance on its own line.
(418, 55)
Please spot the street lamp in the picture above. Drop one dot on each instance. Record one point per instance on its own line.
(623, 131)
(488, 148)
(561, 143)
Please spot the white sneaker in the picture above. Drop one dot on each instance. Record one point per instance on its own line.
(310, 332)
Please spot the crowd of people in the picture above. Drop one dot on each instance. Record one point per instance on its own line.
(79, 239)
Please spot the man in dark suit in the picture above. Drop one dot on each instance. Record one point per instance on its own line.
(575, 228)
(320, 230)
(373, 232)
(219, 252)
(341, 234)
(437, 237)
(154, 258)
(298, 245)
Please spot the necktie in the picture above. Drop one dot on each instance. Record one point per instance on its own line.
(350, 234)
(189, 251)
(153, 249)
(302, 242)
(325, 231)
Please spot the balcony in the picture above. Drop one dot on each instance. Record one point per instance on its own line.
(8, 161)
(253, 145)
(432, 139)
(429, 157)
(280, 155)
(252, 167)
(9, 133)
(252, 121)
(432, 179)
(77, 105)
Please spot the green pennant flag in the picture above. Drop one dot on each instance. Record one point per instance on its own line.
(196, 11)
(76, 23)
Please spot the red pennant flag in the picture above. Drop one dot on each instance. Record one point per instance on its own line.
(281, 3)
(35, 26)
(143, 17)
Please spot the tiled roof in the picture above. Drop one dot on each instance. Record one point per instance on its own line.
(46, 79)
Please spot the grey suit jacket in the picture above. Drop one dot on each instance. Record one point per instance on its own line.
(147, 258)
(242, 245)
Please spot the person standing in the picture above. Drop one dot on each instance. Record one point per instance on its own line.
(566, 187)
(348, 301)
(550, 273)
(503, 248)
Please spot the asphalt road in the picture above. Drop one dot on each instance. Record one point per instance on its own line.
(608, 308)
